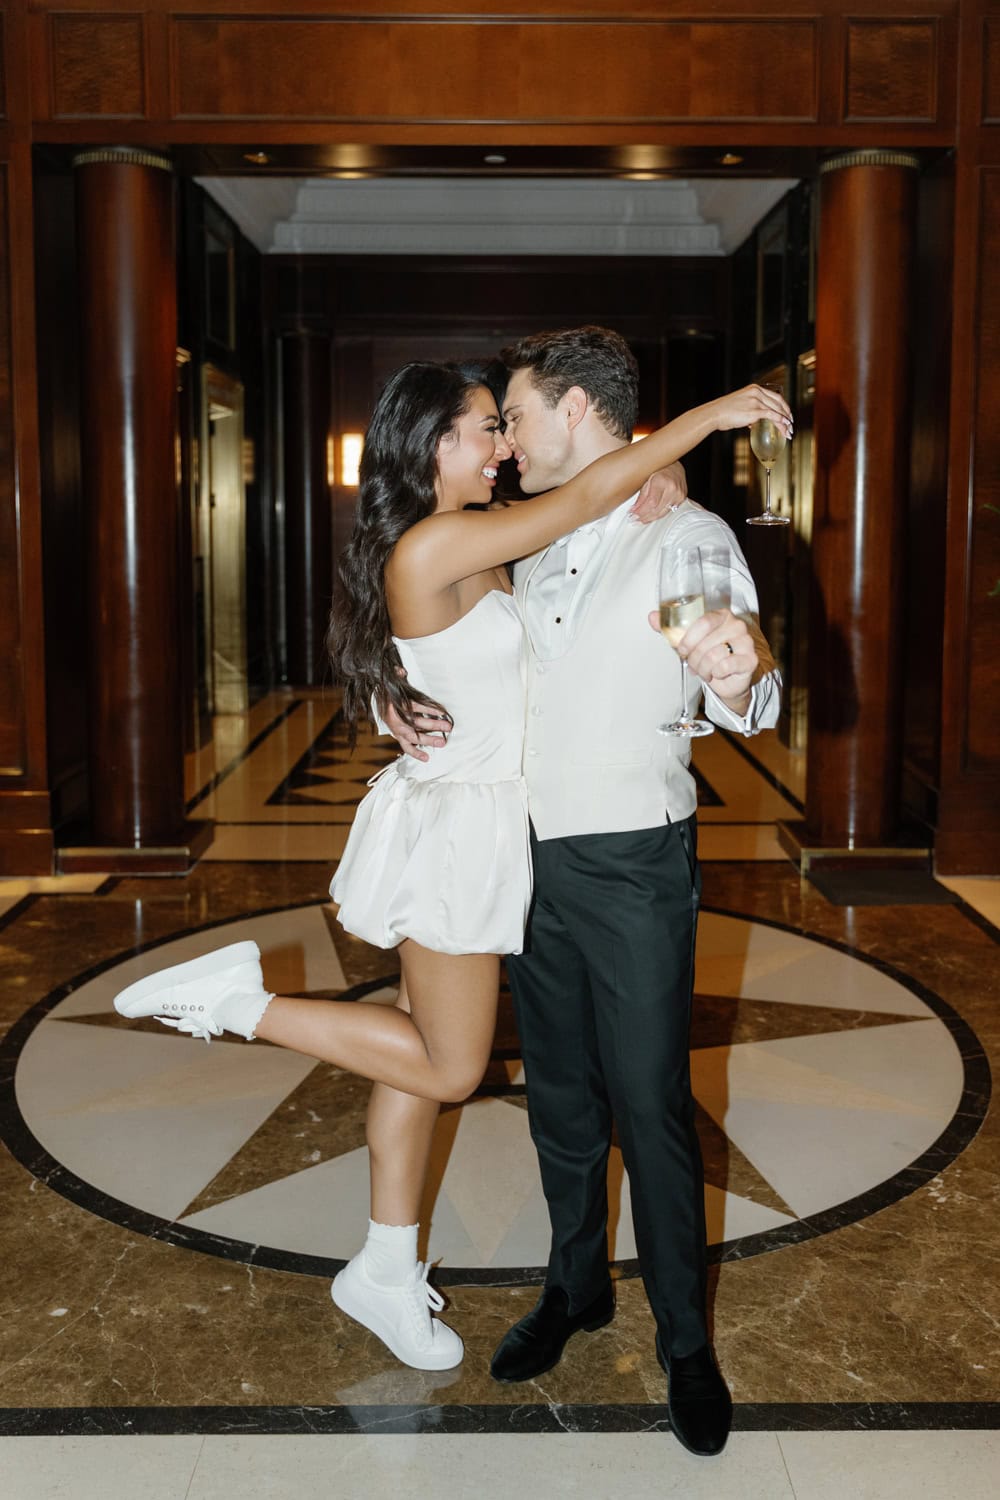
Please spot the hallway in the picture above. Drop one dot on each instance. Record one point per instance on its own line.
(174, 1214)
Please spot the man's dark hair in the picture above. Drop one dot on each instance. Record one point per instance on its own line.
(596, 359)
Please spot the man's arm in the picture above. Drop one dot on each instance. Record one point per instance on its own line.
(730, 654)
(726, 648)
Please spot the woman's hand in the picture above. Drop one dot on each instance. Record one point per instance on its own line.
(428, 729)
(662, 493)
(751, 404)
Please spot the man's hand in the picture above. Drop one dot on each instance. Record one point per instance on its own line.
(429, 729)
(662, 493)
(723, 649)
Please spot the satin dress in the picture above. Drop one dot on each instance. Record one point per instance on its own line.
(439, 850)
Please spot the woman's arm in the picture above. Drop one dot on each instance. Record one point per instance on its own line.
(452, 545)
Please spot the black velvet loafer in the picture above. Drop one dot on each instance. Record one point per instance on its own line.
(698, 1400)
(536, 1343)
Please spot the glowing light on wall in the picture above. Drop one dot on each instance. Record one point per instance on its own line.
(351, 444)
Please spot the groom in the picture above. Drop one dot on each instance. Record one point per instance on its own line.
(602, 992)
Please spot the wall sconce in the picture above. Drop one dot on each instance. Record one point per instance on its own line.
(351, 444)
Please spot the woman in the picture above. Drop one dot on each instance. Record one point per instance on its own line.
(437, 863)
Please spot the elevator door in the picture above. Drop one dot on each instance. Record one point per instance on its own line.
(224, 543)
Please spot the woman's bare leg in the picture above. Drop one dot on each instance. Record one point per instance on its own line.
(450, 1004)
(439, 1051)
(400, 1130)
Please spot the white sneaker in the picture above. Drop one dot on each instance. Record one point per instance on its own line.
(186, 996)
(399, 1315)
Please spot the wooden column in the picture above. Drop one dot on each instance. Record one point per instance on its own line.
(862, 415)
(306, 391)
(128, 310)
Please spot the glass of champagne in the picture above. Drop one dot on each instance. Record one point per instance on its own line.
(682, 601)
(717, 575)
(767, 440)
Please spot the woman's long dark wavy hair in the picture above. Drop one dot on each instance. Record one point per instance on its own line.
(419, 405)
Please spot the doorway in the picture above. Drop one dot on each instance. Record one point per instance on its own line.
(220, 548)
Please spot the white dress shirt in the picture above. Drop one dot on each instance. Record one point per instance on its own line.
(568, 569)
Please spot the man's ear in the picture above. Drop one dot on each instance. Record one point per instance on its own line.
(575, 403)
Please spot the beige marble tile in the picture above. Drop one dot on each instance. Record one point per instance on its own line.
(746, 795)
(788, 765)
(149, 1119)
(892, 1465)
(982, 892)
(488, 1467)
(49, 885)
(738, 841)
(283, 841)
(98, 1468)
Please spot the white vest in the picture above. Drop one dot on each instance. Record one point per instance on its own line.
(593, 761)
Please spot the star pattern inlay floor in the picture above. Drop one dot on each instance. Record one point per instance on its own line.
(305, 1151)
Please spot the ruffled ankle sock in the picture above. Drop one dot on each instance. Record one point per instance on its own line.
(390, 1252)
(242, 1012)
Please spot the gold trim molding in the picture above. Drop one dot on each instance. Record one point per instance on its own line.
(132, 156)
(874, 157)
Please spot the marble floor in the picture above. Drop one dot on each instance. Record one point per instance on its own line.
(174, 1213)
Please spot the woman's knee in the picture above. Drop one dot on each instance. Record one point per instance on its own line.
(456, 1081)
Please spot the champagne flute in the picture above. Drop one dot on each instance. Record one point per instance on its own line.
(767, 440)
(717, 575)
(682, 601)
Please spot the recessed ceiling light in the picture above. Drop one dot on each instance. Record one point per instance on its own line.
(259, 158)
(730, 159)
(494, 159)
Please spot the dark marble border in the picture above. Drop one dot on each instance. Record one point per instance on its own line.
(978, 919)
(739, 744)
(960, 1131)
(244, 754)
(21, 905)
(255, 1421)
(285, 787)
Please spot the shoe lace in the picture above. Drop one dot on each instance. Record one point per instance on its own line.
(420, 1296)
(206, 1028)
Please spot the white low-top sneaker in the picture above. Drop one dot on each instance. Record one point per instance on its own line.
(399, 1315)
(189, 996)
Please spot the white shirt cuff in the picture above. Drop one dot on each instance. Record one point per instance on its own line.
(762, 713)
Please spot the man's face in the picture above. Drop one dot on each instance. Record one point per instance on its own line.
(540, 436)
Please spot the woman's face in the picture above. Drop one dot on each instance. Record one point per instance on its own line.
(468, 456)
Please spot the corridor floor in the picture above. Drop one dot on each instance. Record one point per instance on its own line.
(174, 1212)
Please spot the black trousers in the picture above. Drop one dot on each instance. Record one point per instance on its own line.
(602, 995)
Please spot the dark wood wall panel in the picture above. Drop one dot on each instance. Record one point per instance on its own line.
(982, 753)
(432, 70)
(98, 67)
(63, 518)
(12, 738)
(991, 72)
(3, 69)
(891, 70)
(925, 539)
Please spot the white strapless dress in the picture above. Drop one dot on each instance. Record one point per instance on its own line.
(439, 851)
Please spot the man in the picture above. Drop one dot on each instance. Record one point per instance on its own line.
(602, 992)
